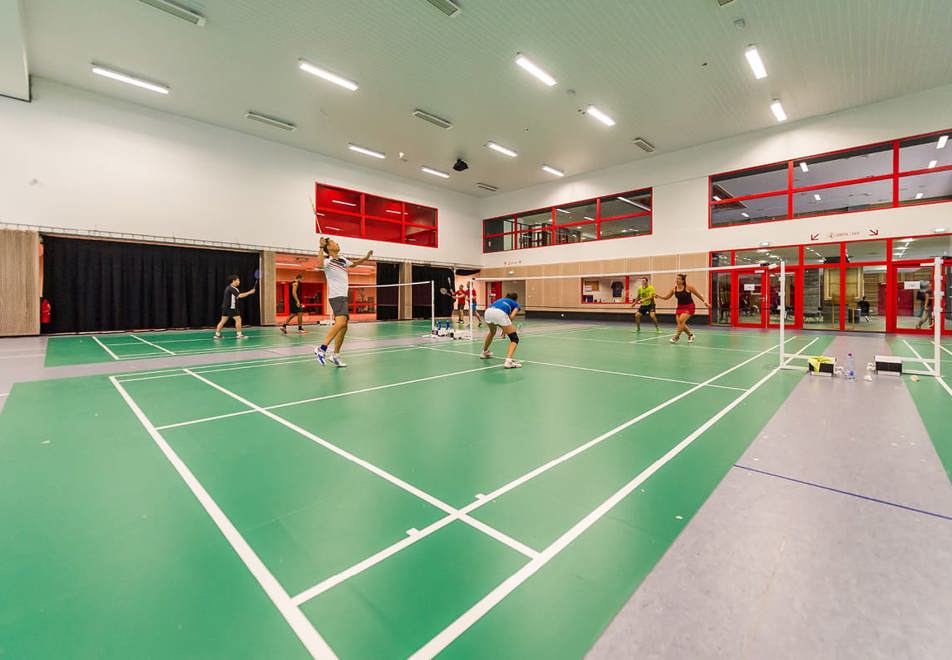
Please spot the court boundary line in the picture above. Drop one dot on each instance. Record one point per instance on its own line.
(145, 341)
(299, 623)
(103, 346)
(460, 625)
(432, 500)
(483, 499)
(928, 367)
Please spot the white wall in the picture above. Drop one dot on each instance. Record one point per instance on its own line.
(80, 160)
(680, 182)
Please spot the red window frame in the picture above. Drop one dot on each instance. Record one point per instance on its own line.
(790, 190)
(553, 226)
(356, 209)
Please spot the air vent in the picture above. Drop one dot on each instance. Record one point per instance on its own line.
(176, 10)
(643, 144)
(448, 7)
(723, 3)
(433, 119)
(270, 121)
(486, 186)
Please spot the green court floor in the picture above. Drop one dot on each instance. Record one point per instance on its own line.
(121, 346)
(420, 501)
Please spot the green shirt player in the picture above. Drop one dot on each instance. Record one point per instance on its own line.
(646, 305)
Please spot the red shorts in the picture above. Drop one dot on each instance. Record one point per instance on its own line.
(686, 309)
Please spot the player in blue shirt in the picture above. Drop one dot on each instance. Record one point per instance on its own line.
(500, 314)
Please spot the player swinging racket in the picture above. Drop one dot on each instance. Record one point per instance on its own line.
(335, 271)
(646, 305)
(297, 309)
(683, 292)
(500, 314)
(229, 306)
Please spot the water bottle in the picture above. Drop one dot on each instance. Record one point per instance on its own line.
(850, 367)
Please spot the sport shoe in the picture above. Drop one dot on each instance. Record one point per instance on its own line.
(674, 340)
(485, 355)
(637, 329)
(217, 336)
(302, 331)
(658, 330)
(241, 336)
(512, 364)
(690, 339)
(284, 329)
(337, 361)
(321, 355)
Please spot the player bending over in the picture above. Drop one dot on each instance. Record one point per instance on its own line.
(335, 271)
(500, 314)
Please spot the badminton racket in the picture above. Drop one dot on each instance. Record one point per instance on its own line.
(257, 279)
(316, 216)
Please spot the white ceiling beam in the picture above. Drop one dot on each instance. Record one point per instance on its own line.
(14, 74)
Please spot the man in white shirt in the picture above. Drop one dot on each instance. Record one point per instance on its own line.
(335, 271)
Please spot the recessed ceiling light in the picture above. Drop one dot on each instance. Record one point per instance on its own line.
(803, 166)
(756, 64)
(534, 69)
(908, 240)
(564, 211)
(394, 212)
(270, 121)
(746, 215)
(486, 186)
(592, 111)
(817, 197)
(332, 228)
(777, 109)
(433, 119)
(933, 163)
(158, 88)
(343, 203)
(324, 74)
(366, 152)
(501, 149)
(942, 140)
(716, 198)
(938, 230)
(588, 218)
(763, 251)
(553, 171)
(764, 243)
(643, 144)
(918, 195)
(177, 10)
(448, 7)
(430, 170)
(634, 203)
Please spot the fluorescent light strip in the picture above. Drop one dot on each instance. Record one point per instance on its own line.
(176, 10)
(343, 203)
(395, 212)
(552, 170)
(333, 228)
(270, 121)
(501, 149)
(430, 170)
(592, 111)
(777, 108)
(534, 69)
(716, 198)
(289, 265)
(941, 143)
(564, 211)
(746, 215)
(918, 195)
(304, 65)
(817, 197)
(633, 203)
(366, 152)
(130, 80)
(486, 186)
(756, 64)
(933, 163)
(803, 166)
(588, 218)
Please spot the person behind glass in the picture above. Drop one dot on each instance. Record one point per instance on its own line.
(335, 269)
(683, 292)
(229, 306)
(926, 297)
(297, 308)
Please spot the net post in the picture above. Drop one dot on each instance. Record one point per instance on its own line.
(938, 297)
(432, 305)
(472, 301)
(783, 309)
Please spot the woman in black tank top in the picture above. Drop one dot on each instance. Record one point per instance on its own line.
(684, 293)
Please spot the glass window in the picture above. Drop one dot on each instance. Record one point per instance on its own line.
(339, 224)
(922, 248)
(919, 153)
(760, 209)
(857, 164)
(337, 199)
(420, 215)
(721, 298)
(866, 298)
(640, 224)
(921, 188)
(604, 290)
(378, 230)
(568, 214)
(499, 243)
(535, 219)
(842, 199)
(381, 207)
(576, 233)
(749, 182)
(421, 236)
(538, 238)
(866, 251)
(769, 255)
(826, 253)
(721, 258)
(821, 298)
(629, 203)
(498, 226)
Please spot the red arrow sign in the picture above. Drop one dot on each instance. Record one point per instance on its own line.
(874, 232)
(814, 237)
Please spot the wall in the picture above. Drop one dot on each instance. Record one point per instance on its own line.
(680, 182)
(80, 160)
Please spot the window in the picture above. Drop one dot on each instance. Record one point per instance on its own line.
(860, 179)
(360, 215)
(621, 215)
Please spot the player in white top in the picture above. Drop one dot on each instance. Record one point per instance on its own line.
(335, 271)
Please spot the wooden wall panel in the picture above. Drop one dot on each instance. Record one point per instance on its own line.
(19, 283)
(268, 293)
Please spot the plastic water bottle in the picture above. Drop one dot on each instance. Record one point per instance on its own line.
(850, 367)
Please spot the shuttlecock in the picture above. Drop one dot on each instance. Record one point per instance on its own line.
(868, 377)
(915, 379)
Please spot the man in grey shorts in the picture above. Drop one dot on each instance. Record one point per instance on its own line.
(335, 271)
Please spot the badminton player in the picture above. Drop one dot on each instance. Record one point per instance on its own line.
(461, 296)
(229, 306)
(335, 270)
(683, 292)
(500, 314)
(297, 309)
(646, 305)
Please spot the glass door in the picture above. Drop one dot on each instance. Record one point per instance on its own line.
(721, 287)
(821, 298)
(791, 319)
(914, 298)
(748, 299)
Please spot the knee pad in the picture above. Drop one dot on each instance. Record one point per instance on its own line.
(514, 337)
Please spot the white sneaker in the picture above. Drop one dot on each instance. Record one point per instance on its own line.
(217, 336)
(485, 355)
(674, 340)
(241, 336)
(691, 339)
(320, 354)
(512, 364)
(337, 362)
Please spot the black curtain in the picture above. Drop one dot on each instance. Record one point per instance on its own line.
(108, 285)
(441, 277)
(388, 298)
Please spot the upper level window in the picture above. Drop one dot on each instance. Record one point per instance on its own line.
(345, 212)
(845, 181)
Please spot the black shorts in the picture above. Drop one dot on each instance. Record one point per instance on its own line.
(230, 313)
(297, 309)
(339, 306)
(647, 309)
(461, 307)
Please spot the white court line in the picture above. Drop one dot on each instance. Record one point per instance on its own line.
(5, 394)
(493, 598)
(106, 348)
(657, 336)
(380, 472)
(622, 341)
(320, 398)
(482, 499)
(23, 355)
(944, 384)
(151, 344)
(599, 371)
(306, 632)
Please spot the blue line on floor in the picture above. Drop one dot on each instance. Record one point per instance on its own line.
(844, 492)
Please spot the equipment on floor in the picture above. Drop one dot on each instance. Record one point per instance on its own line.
(821, 365)
(888, 364)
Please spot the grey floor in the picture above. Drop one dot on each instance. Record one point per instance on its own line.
(832, 538)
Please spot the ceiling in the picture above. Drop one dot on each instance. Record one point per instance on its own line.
(672, 72)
